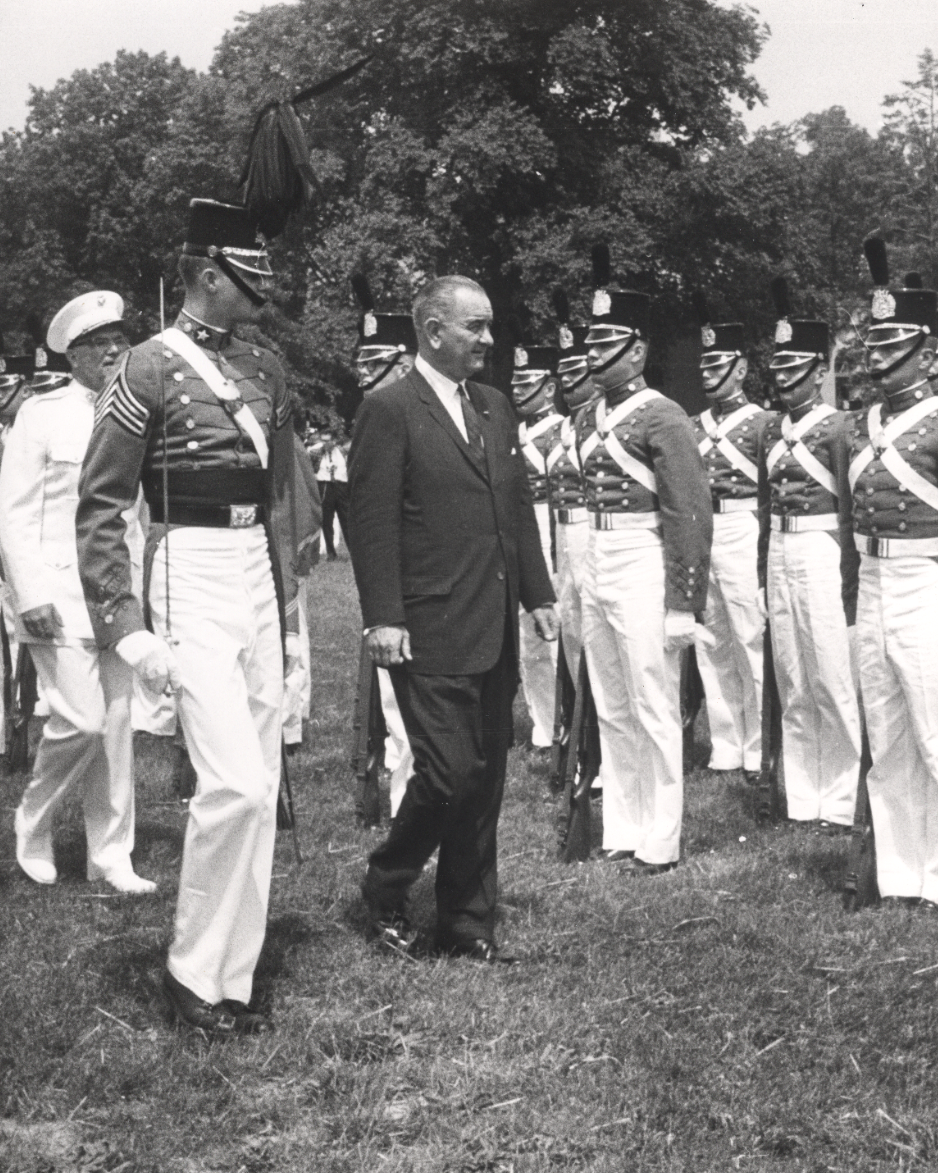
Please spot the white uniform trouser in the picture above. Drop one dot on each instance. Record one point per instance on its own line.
(538, 658)
(820, 714)
(897, 634)
(86, 743)
(226, 634)
(297, 687)
(572, 545)
(636, 686)
(398, 756)
(731, 670)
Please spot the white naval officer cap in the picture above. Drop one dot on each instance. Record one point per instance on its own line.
(86, 312)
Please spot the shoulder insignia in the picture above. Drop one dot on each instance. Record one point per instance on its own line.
(120, 403)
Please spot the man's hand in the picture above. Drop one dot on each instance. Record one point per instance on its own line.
(151, 659)
(678, 630)
(42, 622)
(388, 645)
(546, 622)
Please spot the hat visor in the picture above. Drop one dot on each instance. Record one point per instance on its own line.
(786, 360)
(255, 263)
(528, 378)
(376, 353)
(603, 334)
(890, 333)
(569, 366)
(717, 358)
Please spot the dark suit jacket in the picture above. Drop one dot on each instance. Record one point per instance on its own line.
(440, 542)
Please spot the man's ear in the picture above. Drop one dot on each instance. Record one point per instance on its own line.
(432, 328)
(821, 373)
(928, 355)
(741, 371)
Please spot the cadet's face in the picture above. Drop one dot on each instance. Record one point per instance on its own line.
(627, 367)
(886, 347)
(794, 394)
(95, 357)
(532, 395)
(232, 305)
(370, 368)
(713, 378)
(461, 341)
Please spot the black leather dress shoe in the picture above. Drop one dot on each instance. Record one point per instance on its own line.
(640, 868)
(189, 1010)
(477, 950)
(246, 1020)
(900, 902)
(617, 856)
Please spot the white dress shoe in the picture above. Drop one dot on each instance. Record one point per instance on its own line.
(39, 867)
(128, 882)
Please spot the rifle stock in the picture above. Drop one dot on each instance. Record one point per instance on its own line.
(286, 815)
(769, 798)
(25, 695)
(368, 734)
(692, 695)
(580, 771)
(860, 886)
(564, 694)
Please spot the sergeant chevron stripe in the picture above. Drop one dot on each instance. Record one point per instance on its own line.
(120, 403)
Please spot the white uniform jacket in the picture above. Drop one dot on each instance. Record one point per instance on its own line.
(38, 497)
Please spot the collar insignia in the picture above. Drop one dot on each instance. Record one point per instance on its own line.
(602, 303)
(202, 335)
(884, 304)
(370, 325)
(708, 337)
(783, 332)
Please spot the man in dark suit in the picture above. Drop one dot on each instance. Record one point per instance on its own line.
(445, 545)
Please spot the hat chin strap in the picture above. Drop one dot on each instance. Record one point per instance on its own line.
(236, 279)
(876, 376)
(620, 353)
(370, 386)
(722, 382)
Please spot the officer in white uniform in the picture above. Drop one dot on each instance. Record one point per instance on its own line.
(894, 475)
(646, 580)
(533, 387)
(808, 566)
(221, 591)
(728, 434)
(87, 741)
(387, 348)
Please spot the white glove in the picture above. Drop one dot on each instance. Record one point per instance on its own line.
(762, 603)
(152, 659)
(291, 654)
(678, 630)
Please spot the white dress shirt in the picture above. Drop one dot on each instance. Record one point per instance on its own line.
(332, 466)
(448, 393)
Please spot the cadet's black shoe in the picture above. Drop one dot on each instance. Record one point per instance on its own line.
(476, 949)
(189, 1010)
(617, 855)
(639, 868)
(246, 1020)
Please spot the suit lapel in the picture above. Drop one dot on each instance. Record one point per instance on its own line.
(439, 413)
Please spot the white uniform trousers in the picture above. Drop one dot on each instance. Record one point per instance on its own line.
(572, 545)
(811, 649)
(636, 686)
(398, 756)
(897, 633)
(537, 657)
(298, 687)
(226, 638)
(86, 743)
(731, 670)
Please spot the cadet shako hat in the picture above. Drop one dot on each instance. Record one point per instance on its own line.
(228, 229)
(13, 368)
(49, 370)
(898, 315)
(720, 340)
(381, 335)
(533, 363)
(571, 339)
(617, 314)
(797, 340)
(81, 315)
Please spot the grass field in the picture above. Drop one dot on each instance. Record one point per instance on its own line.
(724, 1016)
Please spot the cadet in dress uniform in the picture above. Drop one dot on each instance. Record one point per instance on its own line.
(567, 487)
(87, 741)
(728, 435)
(533, 386)
(224, 409)
(808, 567)
(894, 475)
(387, 348)
(646, 577)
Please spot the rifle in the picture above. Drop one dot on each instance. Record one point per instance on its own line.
(564, 701)
(24, 699)
(769, 798)
(692, 695)
(368, 734)
(580, 772)
(860, 887)
(286, 816)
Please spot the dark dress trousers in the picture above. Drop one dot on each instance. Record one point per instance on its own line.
(445, 541)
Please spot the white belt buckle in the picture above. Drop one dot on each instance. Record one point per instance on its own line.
(243, 516)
